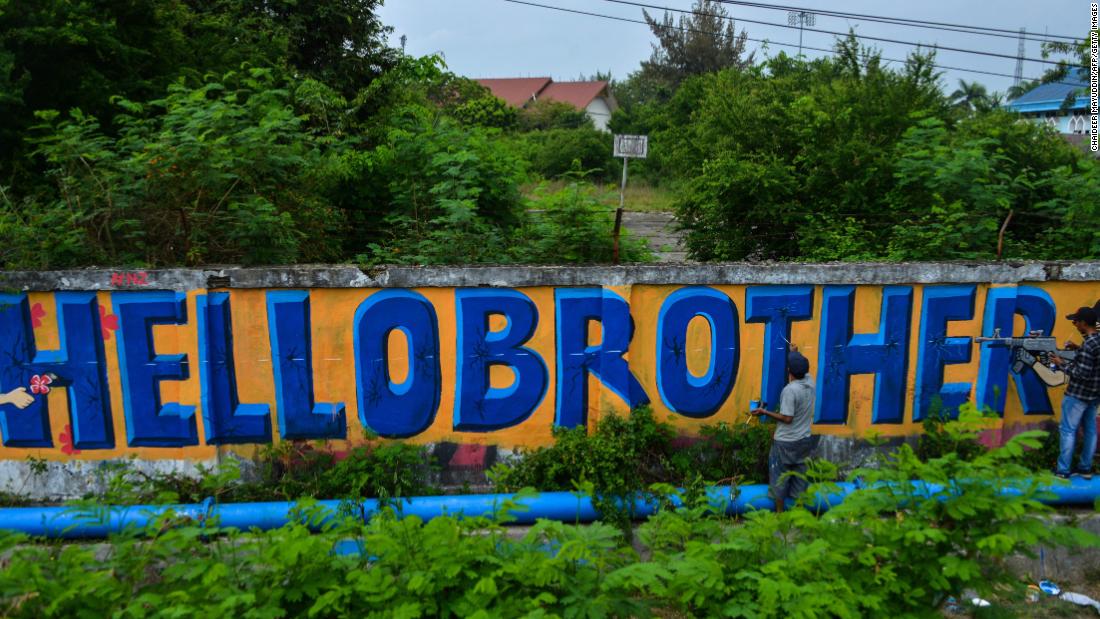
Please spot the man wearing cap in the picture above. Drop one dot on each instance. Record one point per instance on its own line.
(792, 442)
(1082, 395)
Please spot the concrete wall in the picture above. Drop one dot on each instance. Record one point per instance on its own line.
(187, 365)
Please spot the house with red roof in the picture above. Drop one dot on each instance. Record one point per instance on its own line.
(594, 97)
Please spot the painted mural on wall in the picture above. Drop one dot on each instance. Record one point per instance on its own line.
(152, 372)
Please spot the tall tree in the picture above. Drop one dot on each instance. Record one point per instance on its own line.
(704, 41)
(970, 96)
(338, 42)
(65, 54)
(60, 54)
(1016, 91)
(1078, 61)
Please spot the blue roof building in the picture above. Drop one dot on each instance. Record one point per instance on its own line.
(1044, 104)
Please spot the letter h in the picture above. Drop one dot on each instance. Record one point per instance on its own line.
(884, 354)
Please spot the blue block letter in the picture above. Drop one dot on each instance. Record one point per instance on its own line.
(148, 422)
(300, 416)
(777, 307)
(576, 308)
(940, 305)
(390, 409)
(79, 364)
(224, 418)
(479, 407)
(681, 391)
(1001, 307)
(884, 354)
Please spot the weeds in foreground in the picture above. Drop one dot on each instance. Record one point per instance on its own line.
(618, 462)
(895, 547)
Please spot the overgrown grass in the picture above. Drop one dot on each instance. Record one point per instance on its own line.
(641, 196)
(886, 551)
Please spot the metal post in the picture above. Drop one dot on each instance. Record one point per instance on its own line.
(803, 19)
(619, 214)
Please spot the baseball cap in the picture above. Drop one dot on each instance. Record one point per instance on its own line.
(1085, 314)
(797, 364)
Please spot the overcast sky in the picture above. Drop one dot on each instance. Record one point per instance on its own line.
(494, 38)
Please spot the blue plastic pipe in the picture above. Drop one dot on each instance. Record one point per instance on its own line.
(80, 523)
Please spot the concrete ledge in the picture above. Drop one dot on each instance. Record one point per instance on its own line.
(347, 276)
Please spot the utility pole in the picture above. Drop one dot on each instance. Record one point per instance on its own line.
(801, 19)
(1018, 76)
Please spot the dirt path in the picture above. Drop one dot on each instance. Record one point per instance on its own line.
(659, 229)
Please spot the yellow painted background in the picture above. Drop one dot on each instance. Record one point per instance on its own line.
(333, 311)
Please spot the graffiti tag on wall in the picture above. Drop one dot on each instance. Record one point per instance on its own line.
(101, 374)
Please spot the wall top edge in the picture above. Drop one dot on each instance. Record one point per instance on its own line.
(347, 276)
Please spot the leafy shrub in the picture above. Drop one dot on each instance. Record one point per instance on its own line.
(295, 470)
(222, 172)
(283, 472)
(573, 225)
(1044, 458)
(486, 111)
(937, 441)
(559, 152)
(624, 456)
(895, 547)
(847, 158)
(729, 453)
(547, 114)
(433, 193)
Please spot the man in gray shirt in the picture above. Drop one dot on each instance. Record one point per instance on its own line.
(792, 442)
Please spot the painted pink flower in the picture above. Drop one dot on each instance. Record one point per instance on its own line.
(37, 314)
(66, 440)
(40, 384)
(107, 322)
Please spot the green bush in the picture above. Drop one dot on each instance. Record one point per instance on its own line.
(936, 441)
(896, 547)
(433, 193)
(486, 111)
(846, 158)
(287, 471)
(1044, 458)
(726, 453)
(560, 152)
(573, 225)
(223, 172)
(547, 114)
(624, 456)
(295, 470)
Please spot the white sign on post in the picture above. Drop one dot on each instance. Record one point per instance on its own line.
(632, 146)
(628, 147)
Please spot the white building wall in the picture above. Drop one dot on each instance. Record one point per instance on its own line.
(600, 113)
(1061, 123)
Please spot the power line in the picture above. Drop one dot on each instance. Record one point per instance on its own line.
(886, 20)
(900, 21)
(832, 32)
(764, 41)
